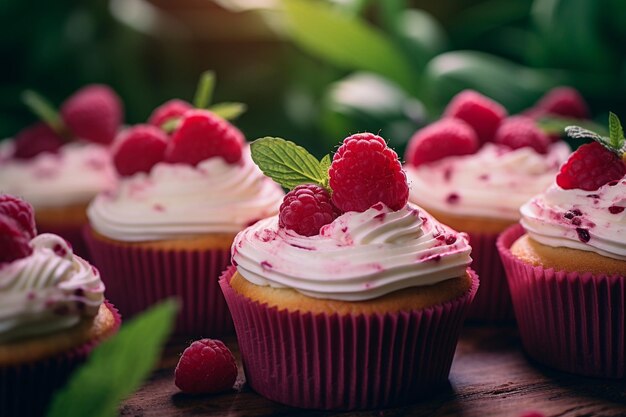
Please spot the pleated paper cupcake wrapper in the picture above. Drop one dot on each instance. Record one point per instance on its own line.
(136, 278)
(346, 362)
(570, 321)
(493, 300)
(74, 235)
(27, 389)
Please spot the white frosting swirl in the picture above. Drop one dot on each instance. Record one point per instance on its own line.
(47, 291)
(178, 200)
(494, 182)
(359, 256)
(578, 219)
(73, 175)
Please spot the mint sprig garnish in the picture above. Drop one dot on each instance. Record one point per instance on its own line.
(228, 110)
(289, 164)
(204, 91)
(615, 142)
(44, 110)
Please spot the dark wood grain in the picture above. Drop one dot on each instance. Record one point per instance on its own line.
(490, 376)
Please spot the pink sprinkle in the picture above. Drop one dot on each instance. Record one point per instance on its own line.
(158, 207)
(59, 250)
(450, 239)
(378, 206)
(380, 217)
(616, 209)
(266, 265)
(447, 174)
(453, 198)
(484, 177)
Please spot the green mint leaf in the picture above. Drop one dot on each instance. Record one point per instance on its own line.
(43, 109)
(325, 166)
(117, 367)
(287, 163)
(578, 132)
(170, 125)
(228, 111)
(556, 125)
(616, 132)
(204, 91)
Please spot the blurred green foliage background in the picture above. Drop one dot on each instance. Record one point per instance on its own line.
(314, 71)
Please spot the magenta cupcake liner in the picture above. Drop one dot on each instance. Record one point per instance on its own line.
(26, 389)
(72, 234)
(345, 362)
(493, 301)
(575, 322)
(136, 278)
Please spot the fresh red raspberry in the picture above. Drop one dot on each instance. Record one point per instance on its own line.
(171, 109)
(21, 212)
(521, 131)
(93, 113)
(563, 101)
(138, 149)
(447, 137)
(35, 139)
(13, 243)
(479, 111)
(202, 135)
(207, 366)
(590, 167)
(307, 208)
(364, 172)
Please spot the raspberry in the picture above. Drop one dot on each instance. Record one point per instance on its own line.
(13, 243)
(563, 101)
(305, 209)
(202, 135)
(447, 137)
(138, 149)
(364, 172)
(480, 112)
(21, 212)
(206, 366)
(521, 131)
(93, 113)
(171, 109)
(589, 168)
(35, 139)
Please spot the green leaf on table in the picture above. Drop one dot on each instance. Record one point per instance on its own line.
(346, 41)
(287, 163)
(228, 110)
(117, 367)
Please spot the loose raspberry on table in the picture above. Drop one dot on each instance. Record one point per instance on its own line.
(307, 208)
(520, 131)
(364, 172)
(563, 101)
(477, 110)
(21, 212)
(13, 243)
(167, 111)
(35, 139)
(202, 135)
(207, 366)
(138, 149)
(93, 113)
(447, 137)
(590, 167)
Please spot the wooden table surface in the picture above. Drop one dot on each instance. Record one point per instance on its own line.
(490, 376)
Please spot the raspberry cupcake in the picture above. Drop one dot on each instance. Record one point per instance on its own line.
(335, 291)
(59, 165)
(52, 311)
(472, 170)
(168, 226)
(566, 262)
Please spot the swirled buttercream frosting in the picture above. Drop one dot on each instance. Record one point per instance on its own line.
(47, 291)
(578, 219)
(359, 256)
(176, 200)
(73, 175)
(493, 183)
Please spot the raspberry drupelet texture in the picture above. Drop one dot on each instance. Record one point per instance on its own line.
(202, 135)
(35, 139)
(520, 131)
(169, 110)
(590, 167)
(307, 208)
(364, 172)
(563, 101)
(13, 243)
(138, 149)
(207, 366)
(447, 137)
(93, 113)
(21, 212)
(480, 112)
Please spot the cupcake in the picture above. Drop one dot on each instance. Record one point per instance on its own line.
(566, 265)
(360, 291)
(472, 170)
(167, 228)
(52, 311)
(59, 166)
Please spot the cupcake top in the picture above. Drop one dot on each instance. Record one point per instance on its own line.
(43, 287)
(359, 243)
(585, 208)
